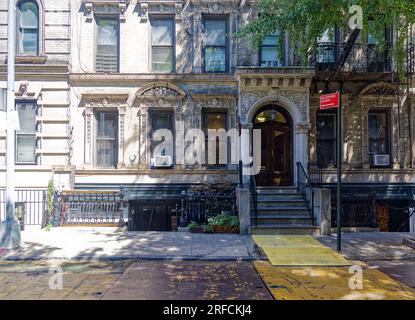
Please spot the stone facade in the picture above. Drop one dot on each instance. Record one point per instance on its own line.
(42, 79)
(62, 79)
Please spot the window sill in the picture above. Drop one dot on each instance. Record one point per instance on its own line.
(30, 59)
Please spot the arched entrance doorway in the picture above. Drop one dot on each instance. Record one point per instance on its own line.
(276, 125)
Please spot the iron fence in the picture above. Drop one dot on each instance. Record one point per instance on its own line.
(34, 202)
(87, 208)
(200, 206)
(358, 209)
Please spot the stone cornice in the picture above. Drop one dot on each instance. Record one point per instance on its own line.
(211, 97)
(143, 78)
(37, 72)
(256, 77)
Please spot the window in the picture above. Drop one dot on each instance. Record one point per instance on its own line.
(215, 45)
(162, 44)
(269, 51)
(163, 144)
(107, 139)
(326, 140)
(379, 132)
(215, 144)
(26, 136)
(28, 28)
(107, 45)
(326, 47)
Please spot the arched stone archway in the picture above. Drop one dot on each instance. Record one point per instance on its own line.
(300, 128)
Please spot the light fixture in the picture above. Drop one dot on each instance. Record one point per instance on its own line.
(273, 114)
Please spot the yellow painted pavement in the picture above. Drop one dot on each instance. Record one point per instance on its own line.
(298, 250)
(329, 283)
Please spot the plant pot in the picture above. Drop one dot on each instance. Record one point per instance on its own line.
(197, 230)
(225, 229)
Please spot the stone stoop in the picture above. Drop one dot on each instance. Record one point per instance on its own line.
(281, 210)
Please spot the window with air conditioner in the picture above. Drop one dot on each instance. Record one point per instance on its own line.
(379, 138)
(161, 139)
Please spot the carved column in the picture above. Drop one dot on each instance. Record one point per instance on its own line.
(179, 143)
(143, 158)
(197, 41)
(395, 136)
(365, 137)
(89, 133)
(121, 149)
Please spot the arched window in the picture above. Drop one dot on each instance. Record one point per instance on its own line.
(28, 27)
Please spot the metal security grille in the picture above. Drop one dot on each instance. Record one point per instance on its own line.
(34, 202)
(87, 208)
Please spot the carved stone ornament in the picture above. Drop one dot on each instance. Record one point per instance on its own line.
(380, 89)
(160, 90)
(116, 7)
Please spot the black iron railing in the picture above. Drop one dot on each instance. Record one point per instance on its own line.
(361, 58)
(87, 208)
(358, 209)
(200, 206)
(315, 172)
(34, 202)
(305, 187)
(254, 195)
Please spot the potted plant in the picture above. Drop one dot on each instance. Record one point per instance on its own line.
(225, 223)
(195, 227)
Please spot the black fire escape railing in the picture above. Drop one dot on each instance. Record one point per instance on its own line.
(305, 187)
(254, 195)
(356, 58)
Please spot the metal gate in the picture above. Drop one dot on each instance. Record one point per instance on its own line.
(34, 202)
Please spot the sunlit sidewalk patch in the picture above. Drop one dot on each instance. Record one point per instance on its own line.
(298, 250)
(330, 283)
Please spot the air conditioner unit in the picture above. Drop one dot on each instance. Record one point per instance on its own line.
(161, 162)
(381, 160)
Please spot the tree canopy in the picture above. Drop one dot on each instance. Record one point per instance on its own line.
(307, 20)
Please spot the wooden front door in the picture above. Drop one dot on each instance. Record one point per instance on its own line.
(276, 154)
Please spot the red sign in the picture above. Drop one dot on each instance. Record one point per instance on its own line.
(329, 101)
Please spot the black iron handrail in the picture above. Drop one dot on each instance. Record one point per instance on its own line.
(254, 193)
(304, 185)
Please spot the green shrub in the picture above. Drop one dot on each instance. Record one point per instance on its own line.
(223, 220)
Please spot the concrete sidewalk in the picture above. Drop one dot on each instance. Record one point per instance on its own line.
(113, 244)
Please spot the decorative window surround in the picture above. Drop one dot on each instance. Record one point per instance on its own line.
(380, 95)
(93, 102)
(156, 95)
(173, 7)
(106, 7)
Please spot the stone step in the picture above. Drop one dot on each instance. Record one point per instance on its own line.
(271, 191)
(280, 196)
(287, 210)
(290, 229)
(282, 220)
(281, 203)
